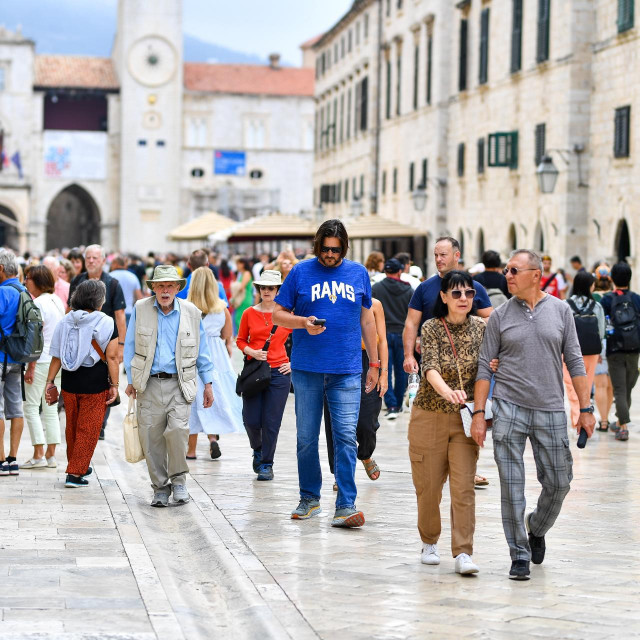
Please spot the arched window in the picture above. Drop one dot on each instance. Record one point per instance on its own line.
(512, 241)
(538, 240)
(481, 248)
(623, 241)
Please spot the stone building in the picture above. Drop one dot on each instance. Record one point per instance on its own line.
(121, 150)
(472, 96)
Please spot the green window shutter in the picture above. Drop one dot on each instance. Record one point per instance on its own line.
(364, 95)
(388, 96)
(462, 66)
(412, 175)
(395, 180)
(346, 190)
(416, 71)
(621, 132)
(483, 74)
(429, 51)
(384, 182)
(542, 45)
(625, 15)
(480, 155)
(512, 149)
(461, 160)
(423, 179)
(516, 37)
(540, 143)
(503, 149)
(399, 84)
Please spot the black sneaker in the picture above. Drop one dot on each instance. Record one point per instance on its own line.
(537, 544)
(214, 449)
(75, 481)
(265, 472)
(89, 472)
(257, 460)
(519, 570)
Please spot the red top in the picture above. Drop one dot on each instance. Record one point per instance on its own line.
(254, 330)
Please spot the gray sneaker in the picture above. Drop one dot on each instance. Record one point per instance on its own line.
(160, 498)
(348, 517)
(307, 508)
(180, 494)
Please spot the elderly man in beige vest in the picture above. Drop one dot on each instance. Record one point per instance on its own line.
(165, 348)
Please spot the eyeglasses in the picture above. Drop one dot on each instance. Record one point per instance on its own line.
(469, 294)
(514, 271)
(336, 250)
(267, 288)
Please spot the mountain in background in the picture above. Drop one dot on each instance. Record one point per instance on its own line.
(90, 33)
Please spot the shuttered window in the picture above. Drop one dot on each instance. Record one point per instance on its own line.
(429, 51)
(625, 15)
(348, 114)
(516, 37)
(399, 82)
(542, 46)
(621, 132)
(346, 190)
(395, 181)
(480, 146)
(388, 96)
(341, 118)
(364, 103)
(540, 143)
(461, 159)
(483, 71)
(503, 149)
(423, 178)
(416, 71)
(384, 183)
(412, 176)
(462, 62)
(335, 121)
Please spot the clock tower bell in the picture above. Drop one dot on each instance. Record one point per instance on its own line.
(147, 54)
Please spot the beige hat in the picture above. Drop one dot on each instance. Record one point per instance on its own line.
(167, 273)
(269, 278)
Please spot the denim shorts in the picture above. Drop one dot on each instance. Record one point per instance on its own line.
(11, 393)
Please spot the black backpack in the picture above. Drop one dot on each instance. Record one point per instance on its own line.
(626, 325)
(587, 328)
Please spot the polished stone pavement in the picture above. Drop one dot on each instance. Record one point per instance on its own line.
(98, 562)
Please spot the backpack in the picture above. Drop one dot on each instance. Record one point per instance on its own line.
(26, 341)
(587, 328)
(497, 297)
(626, 326)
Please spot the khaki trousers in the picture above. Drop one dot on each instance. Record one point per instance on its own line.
(163, 424)
(439, 448)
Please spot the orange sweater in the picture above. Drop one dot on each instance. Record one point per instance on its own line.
(253, 332)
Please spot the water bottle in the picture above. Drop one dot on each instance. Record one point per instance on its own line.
(414, 383)
(608, 326)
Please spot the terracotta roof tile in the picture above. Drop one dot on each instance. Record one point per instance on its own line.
(75, 71)
(307, 44)
(251, 79)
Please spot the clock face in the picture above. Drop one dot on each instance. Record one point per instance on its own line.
(151, 120)
(152, 61)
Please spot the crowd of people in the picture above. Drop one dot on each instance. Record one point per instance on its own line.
(495, 347)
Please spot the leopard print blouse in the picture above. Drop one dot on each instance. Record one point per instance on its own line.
(438, 355)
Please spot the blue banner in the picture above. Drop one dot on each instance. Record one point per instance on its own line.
(231, 163)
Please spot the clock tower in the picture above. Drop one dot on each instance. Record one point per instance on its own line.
(147, 54)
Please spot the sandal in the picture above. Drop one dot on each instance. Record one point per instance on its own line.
(600, 427)
(480, 481)
(190, 457)
(371, 468)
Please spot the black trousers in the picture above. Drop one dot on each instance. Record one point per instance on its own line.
(623, 371)
(370, 405)
(262, 415)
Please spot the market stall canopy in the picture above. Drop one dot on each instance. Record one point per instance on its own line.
(273, 227)
(202, 227)
(378, 227)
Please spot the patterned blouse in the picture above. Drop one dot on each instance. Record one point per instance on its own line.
(437, 354)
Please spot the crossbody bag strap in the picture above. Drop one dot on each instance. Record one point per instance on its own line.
(549, 281)
(96, 346)
(267, 344)
(455, 353)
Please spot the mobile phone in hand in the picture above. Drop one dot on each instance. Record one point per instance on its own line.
(319, 322)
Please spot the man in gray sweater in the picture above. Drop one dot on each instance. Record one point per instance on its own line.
(529, 335)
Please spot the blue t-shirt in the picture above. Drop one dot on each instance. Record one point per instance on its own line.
(336, 294)
(427, 292)
(9, 302)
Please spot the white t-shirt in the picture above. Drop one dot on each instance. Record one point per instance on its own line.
(52, 311)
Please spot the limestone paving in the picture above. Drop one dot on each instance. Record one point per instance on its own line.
(99, 562)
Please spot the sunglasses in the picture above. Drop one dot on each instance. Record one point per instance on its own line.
(336, 250)
(456, 294)
(267, 288)
(514, 271)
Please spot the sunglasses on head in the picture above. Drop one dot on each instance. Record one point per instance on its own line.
(336, 250)
(456, 294)
(514, 271)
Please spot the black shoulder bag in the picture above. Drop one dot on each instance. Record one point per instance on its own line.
(256, 374)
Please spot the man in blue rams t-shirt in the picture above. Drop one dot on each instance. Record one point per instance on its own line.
(327, 360)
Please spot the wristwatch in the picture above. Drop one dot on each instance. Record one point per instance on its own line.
(473, 413)
(587, 410)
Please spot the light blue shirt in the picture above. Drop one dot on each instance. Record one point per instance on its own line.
(130, 284)
(185, 292)
(164, 358)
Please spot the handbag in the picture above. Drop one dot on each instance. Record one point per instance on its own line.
(466, 411)
(132, 448)
(256, 374)
(96, 346)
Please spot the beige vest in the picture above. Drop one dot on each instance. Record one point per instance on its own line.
(187, 345)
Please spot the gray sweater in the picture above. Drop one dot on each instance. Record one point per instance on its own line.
(530, 345)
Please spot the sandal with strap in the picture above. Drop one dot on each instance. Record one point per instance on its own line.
(603, 428)
(480, 481)
(371, 468)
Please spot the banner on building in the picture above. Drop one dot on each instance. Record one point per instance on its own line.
(76, 155)
(229, 163)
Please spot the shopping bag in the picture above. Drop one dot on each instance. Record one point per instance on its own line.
(132, 447)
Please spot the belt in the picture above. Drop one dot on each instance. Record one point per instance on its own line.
(162, 375)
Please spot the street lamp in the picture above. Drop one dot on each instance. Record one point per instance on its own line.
(547, 175)
(419, 197)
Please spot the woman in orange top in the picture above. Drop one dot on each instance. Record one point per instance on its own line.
(262, 413)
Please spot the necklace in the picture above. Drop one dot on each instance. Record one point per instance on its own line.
(266, 322)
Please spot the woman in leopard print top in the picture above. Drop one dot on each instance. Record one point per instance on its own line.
(438, 446)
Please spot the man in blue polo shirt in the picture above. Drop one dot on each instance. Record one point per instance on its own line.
(10, 381)
(198, 259)
(326, 360)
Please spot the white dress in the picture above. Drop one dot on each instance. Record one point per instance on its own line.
(225, 416)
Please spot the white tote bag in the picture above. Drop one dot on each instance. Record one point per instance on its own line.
(132, 447)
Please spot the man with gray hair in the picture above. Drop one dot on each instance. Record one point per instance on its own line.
(11, 378)
(529, 335)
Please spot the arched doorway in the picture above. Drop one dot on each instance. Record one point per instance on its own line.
(480, 245)
(8, 229)
(538, 239)
(512, 241)
(73, 219)
(623, 241)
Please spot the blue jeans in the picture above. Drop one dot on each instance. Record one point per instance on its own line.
(343, 397)
(395, 393)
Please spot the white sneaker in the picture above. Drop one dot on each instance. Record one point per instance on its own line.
(34, 464)
(465, 565)
(51, 462)
(430, 554)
